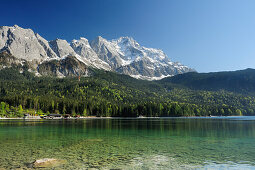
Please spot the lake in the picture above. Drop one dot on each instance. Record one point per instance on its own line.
(155, 143)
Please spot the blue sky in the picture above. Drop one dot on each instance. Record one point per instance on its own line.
(208, 35)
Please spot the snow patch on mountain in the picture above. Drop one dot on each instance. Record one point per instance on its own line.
(123, 55)
(83, 49)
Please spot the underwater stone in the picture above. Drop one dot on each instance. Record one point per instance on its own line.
(48, 163)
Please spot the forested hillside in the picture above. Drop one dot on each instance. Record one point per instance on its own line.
(241, 81)
(111, 94)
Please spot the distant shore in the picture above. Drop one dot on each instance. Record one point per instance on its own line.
(3, 118)
(94, 117)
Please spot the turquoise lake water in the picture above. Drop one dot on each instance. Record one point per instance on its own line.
(157, 143)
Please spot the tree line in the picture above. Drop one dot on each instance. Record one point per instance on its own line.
(109, 94)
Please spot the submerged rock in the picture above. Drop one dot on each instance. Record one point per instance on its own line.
(48, 163)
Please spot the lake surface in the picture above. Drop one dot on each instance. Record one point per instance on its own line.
(165, 143)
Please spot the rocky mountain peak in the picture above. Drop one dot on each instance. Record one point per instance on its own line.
(22, 43)
(83, 49)
(82, 41)
(123, 55)
(61, 47)
(16, 26)
(126, 41)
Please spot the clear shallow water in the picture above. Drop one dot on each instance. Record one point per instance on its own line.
(166, 143)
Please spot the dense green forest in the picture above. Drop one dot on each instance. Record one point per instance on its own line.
(110, 94)
(241, 81)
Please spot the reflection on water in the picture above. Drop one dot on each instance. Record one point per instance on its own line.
(179, 143)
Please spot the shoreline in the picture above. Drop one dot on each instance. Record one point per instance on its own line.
(92, 117)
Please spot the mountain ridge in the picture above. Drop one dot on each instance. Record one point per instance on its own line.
(240, 81)
(123, 55)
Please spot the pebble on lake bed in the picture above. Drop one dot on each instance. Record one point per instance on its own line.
(48, 163)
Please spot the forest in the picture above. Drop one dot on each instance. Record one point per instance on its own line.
(108, 94)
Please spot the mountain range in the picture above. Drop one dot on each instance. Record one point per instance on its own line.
(26, 49)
